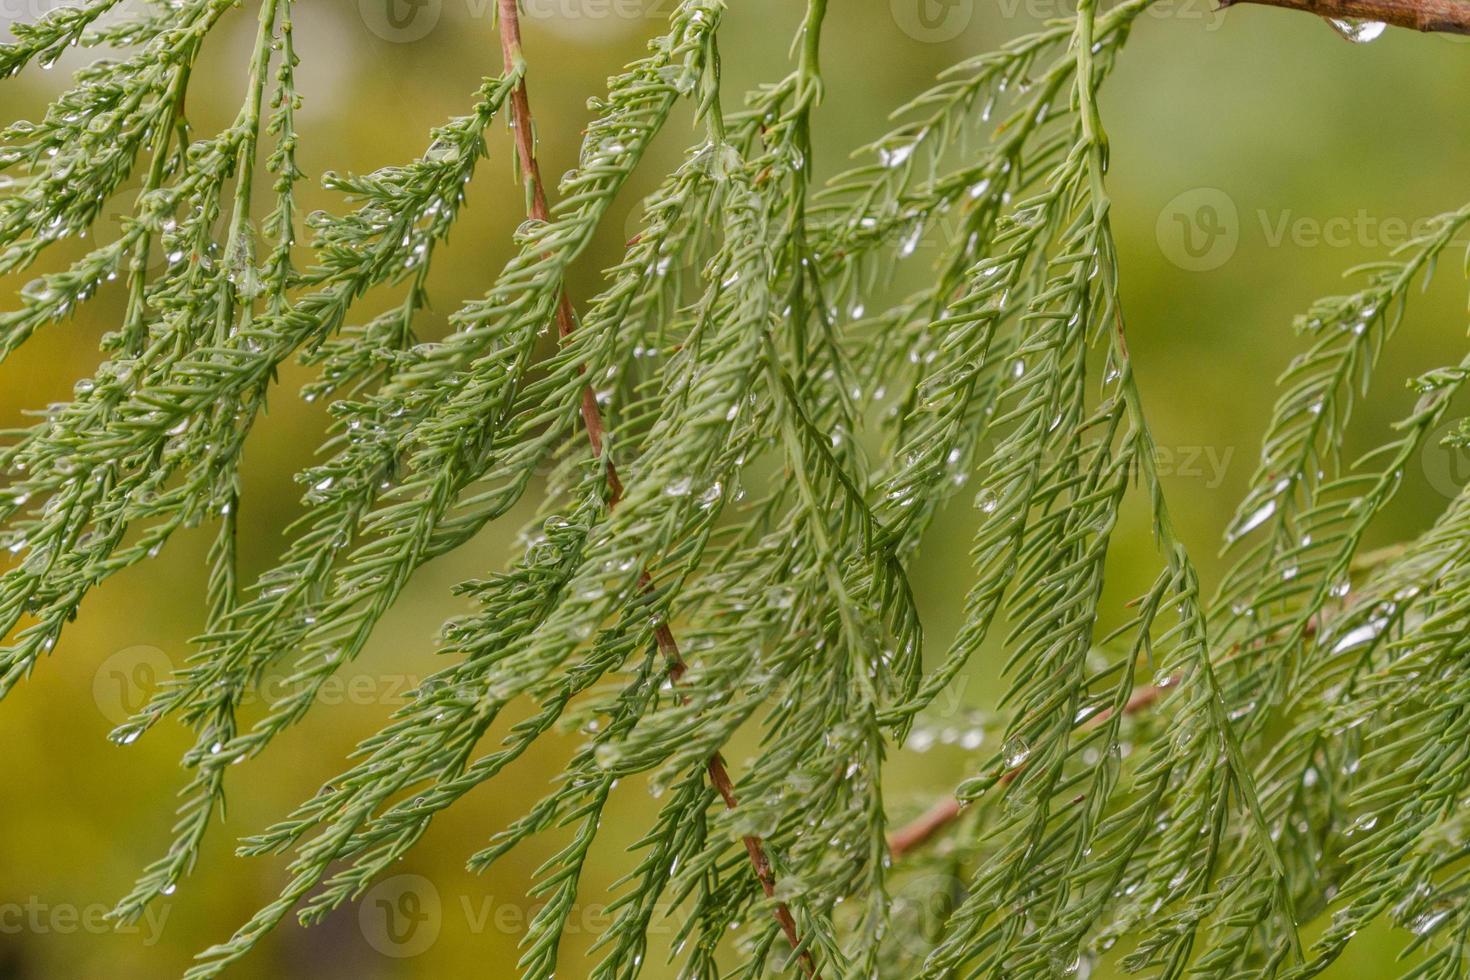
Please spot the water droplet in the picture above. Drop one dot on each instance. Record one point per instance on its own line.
(1358, 31)
(1015, 752)
(1357, 637)
(920, 740)
(910, 241)
(895, 156)
(37, 291)
(529, 230)
(1425, 923)
(1255, 520)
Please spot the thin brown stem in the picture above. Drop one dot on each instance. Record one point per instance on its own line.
(918, 832)
(1439, 16)
(525, 139)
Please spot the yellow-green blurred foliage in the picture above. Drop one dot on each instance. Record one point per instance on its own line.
(1326, 150)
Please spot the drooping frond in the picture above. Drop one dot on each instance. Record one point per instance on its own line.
(733, 450)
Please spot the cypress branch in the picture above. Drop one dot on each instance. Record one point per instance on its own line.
(742, 439)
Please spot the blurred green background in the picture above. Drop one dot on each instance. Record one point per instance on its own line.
(1326, 151)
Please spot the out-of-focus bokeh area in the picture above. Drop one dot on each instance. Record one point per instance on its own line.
(1256, 156)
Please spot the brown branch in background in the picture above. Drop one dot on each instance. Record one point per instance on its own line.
(719, 775)
(917, 833)
(1439, 16)
(941, 814)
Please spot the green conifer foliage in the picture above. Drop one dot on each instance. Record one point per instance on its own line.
(734, 449)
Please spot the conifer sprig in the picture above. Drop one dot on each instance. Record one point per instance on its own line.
(740, 440)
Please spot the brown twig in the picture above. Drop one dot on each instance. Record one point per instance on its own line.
(1440, 16)
(918, 832)
(719, 775)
